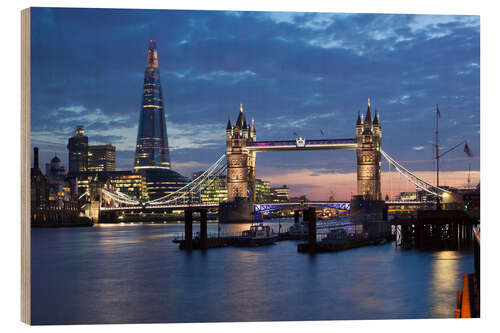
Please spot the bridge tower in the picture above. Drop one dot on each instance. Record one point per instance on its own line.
(95, 198)
(240, 162)
(369, 138)
(240, 171)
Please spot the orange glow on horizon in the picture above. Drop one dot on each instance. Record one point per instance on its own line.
(320, 186)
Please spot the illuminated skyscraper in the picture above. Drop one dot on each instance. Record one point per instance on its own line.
(152, 143)
(77, 151)
(101, 158)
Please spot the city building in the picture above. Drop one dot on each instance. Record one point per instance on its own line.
(55, 168)
(152, 143)
(126, 182)
(53, 201)
(152, 158)
(39, 188)
(262, 190)
(78, 151)
(468, 200)
(215, 192)
(101, 158)
(407, 196)
(280, 194)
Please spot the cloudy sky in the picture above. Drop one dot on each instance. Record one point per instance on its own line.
(293, 72)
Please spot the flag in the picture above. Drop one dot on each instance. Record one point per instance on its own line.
(467, 150)
(437, 111)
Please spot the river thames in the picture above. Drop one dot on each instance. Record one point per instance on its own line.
(133, 273)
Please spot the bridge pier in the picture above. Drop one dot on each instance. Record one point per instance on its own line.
(305, 213)
(203, 229)
(188, 229)
(311, 217)
(237, 211)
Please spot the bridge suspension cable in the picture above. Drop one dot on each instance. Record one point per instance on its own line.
(417, 181)
(188, 191)
(213, 170)
(120, 197)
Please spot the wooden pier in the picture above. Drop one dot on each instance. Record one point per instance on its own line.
(435, 230)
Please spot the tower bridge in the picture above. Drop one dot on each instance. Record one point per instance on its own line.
(242, 147)
(238, 165)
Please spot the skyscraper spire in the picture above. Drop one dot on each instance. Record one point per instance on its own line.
(152, 142)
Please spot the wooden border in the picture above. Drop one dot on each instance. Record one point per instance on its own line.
(25, 167)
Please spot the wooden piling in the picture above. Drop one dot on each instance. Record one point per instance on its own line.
(311, 216)
(188, 229)
(296, 216)
(203, 229)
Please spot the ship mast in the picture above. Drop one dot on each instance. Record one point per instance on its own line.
(438, 204)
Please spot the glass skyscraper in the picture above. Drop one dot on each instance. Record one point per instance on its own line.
(77, 151)
(152, 143)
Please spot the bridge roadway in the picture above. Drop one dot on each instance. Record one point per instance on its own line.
(266, 207)
(324, 144)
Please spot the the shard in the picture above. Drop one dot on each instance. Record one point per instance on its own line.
(152, 143)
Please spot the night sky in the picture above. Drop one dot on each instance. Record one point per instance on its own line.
(293, 72)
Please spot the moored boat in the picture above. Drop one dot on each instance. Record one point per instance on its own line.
(257, 235)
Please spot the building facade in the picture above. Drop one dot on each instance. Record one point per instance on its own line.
(152, 143)
(240, 162)
(407, 196)
(126, 182)
(78, 151)
(216, 192)
(262, 190)
(101, 158)
(55, 168)
(280, 194)
(53, 200)
(369, 138)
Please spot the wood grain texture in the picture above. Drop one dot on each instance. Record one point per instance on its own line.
(25, 168)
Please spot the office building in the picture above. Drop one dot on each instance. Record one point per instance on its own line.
(78, 151)
(101, 158)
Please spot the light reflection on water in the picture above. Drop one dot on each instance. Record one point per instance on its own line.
(445, 272)
(134, 273)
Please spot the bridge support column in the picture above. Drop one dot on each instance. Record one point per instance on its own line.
(311, 216)
(304, 215)
(238, 211)
(203, 229)
(188, 229)
(296, 216)
(95, 197)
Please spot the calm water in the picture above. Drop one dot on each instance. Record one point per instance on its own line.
(135, 274)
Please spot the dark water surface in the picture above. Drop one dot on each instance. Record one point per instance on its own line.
(135, 274)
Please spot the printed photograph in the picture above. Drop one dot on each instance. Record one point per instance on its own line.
(241, 166)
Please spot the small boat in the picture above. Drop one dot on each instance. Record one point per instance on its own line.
(299, 228)
(257, 235)
(323, 217)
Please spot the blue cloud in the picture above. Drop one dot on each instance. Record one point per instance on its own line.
(306, 71)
